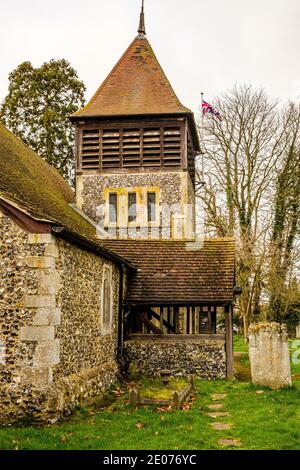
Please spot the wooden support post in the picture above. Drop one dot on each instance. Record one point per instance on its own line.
(200, 319)
(229, 341)
(162, 319)
(176, 320)
(169, 319)
(188, 310)
(193, 321)
(209, 320)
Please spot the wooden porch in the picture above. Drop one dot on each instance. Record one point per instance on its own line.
(182, 323)
(170, 320)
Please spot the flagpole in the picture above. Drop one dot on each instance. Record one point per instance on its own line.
(202, 136)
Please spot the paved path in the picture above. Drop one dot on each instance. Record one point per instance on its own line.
(214, 413)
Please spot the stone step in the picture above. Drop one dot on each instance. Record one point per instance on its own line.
(229, 442)
(218, 396)
(217, 415)
(217, 406)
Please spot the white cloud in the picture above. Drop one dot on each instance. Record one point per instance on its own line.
(201, 45)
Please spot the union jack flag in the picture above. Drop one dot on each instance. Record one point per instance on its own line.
(208, 108)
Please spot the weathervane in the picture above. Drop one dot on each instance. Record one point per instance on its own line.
(142, 29)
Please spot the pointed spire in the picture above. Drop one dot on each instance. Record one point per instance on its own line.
(142, 28)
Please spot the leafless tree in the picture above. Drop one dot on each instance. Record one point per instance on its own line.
(286, 218)
(243, 154)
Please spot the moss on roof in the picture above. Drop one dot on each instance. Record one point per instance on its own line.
(36, 187)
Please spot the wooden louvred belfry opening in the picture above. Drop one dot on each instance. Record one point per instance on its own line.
(130, 148)
(135, 122)
(151, 146)
(136, 147)
(172, 146)
(90, 148)
(110, 148)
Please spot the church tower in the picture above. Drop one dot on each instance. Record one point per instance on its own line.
(135, 151)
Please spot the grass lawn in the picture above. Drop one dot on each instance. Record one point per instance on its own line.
(260, 419)
(239, 344)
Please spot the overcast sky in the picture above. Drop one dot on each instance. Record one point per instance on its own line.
(202, 45)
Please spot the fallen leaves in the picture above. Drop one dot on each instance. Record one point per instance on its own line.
(186, 407)
(16, 444)
(165, 409)
(140, 425)
(65, 437)
(119, 392)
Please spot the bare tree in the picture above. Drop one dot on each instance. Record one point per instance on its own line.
(286, 218)
(242, 154)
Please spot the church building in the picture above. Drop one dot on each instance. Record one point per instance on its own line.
(113, 279)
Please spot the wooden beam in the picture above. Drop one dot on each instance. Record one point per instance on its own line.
(193, 321)
(188, 312)
(209, 319)
(161, 319)
(178, 337)
(229, 341)
(167, 324)
(176, 320)
(24, 220)
(149, 324)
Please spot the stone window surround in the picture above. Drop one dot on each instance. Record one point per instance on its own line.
(122, 205)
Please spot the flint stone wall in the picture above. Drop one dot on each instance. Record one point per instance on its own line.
(17, 280)
(53, 353)
(204, 358)
(269, 355)
(94, 185)
(176, 193)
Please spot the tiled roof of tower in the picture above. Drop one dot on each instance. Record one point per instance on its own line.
(137, 85)
(169, 273)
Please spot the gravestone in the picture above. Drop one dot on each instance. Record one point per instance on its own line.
(269, 355)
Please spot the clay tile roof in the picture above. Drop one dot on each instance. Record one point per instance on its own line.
(167, 273)
(137, 85)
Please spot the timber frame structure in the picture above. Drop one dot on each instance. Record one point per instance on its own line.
(164, 324)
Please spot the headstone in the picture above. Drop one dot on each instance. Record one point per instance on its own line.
(269, 355)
